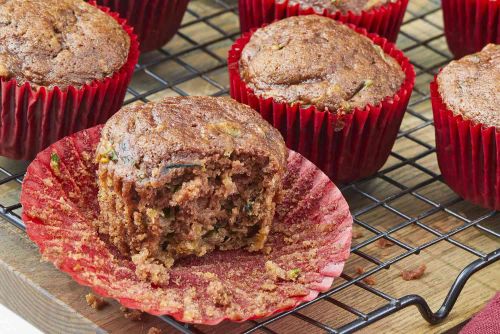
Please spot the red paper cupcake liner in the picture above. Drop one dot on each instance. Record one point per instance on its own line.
(60, 204)
(346, 147)
(31, 119)
(155, 21)
(384, 20)
(471, 24)
(468, 154)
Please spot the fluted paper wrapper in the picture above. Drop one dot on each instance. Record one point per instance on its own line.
(60, 205)
(154, 21)
(31, 119)
(346, 147)
(468, 154)
(384, 20)
(471, 24)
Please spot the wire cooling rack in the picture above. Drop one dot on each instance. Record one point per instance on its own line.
(405, 203)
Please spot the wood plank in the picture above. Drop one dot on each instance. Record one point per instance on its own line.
(52, 301)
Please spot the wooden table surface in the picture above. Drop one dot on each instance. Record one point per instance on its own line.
(54, 303)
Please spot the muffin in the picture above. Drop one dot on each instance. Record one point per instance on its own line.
(465, 99)
(155, 22)
(64, 65)
(338, 97)
(309, 241)
(383, 17)
(185, 176)
(470, 24)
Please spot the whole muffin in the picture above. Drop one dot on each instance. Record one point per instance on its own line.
(336, 94)
(312, 60)
(465, 101)
(155, 21)
(470, 87)
(59, 43)
(65, 64)
(383, 17)
(470, 24)
(185, 176)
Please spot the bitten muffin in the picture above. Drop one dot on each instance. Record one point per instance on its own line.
(470, 87)
(59, 43)
(344, 6)
(185, 176)
(313, 60)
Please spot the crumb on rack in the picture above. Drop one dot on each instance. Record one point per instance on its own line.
(356, 233)
(95, 302)
(368, 280)
(154, 330)
(384, 243)
(134, 315)
(412, 274)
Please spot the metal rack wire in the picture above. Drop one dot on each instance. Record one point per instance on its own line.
(196, 64)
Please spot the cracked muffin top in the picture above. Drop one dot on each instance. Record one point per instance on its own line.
(313, 60)
(471, 86)
(59, 43)
(344, 6)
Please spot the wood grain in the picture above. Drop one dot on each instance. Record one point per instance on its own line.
(53, 302)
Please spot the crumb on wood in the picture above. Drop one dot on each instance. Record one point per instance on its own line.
(154, 330)
(384, 243)
(357, 233)
(134, 315)
(412, 274)
(368, 280)
(95, 302)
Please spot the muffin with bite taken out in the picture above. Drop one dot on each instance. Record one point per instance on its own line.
(186, 176)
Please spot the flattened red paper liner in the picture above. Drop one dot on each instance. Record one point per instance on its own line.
(468, 154)
(384, 20)
(346, 147)
(471, 24)
(31, 119)
(154, 21)
(311, 232)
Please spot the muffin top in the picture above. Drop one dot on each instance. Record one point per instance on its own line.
(59, 43)
(313, 60)
(470, 86)
(179, 131)
(344, 6)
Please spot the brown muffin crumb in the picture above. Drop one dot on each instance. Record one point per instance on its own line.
(95, 302)
(314, 60)
(59, 43)
(357, 233)
(412, 274)
(344, 6)
(470, 86)
(154, 330)
(368, 280)
(384, 243)
(134, 315)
